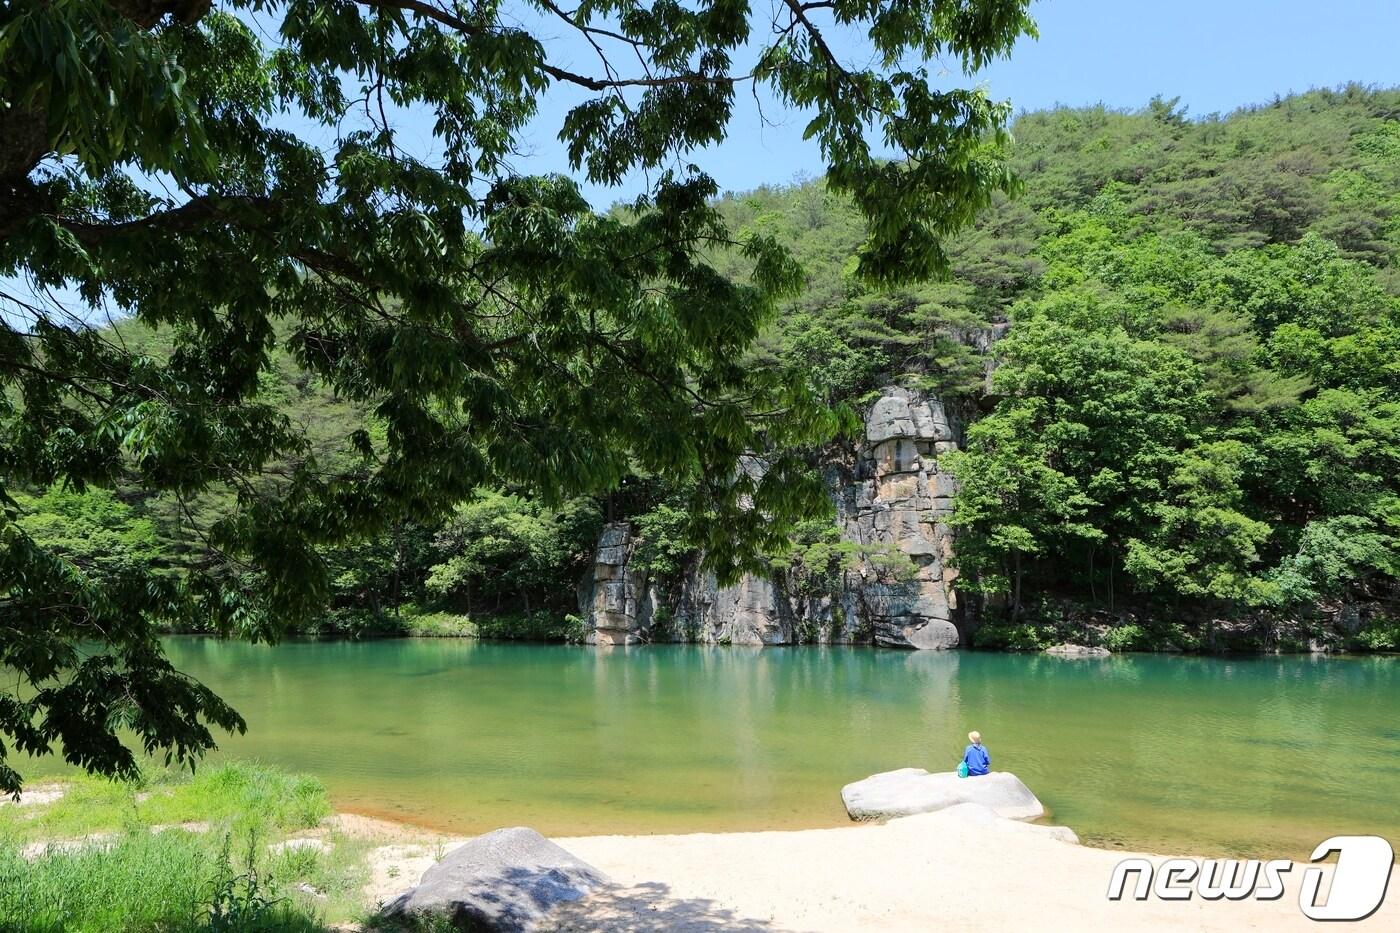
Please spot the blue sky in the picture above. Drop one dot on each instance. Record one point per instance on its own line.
(1215, 54)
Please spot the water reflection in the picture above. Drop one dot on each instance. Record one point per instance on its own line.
(1251, 755)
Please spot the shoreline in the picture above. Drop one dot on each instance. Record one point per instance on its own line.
(962, 865)
(310, 638)
(407, 826)
(906, 875)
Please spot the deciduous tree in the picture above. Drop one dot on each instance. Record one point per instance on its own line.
(160, 156)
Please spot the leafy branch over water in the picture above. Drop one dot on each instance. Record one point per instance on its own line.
(495, 328)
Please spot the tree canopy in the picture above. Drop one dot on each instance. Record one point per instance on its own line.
(160, 158)
(1174, 358)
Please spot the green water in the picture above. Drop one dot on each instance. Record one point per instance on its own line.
(1250, 756)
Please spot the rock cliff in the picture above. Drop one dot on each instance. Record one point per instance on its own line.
(890, 496)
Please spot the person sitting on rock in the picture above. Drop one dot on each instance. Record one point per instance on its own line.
(977, 759)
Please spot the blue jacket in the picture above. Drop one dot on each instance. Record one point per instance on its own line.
(977, 759)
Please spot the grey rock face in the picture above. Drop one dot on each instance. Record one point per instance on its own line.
(902, 502)
(617, 600)
(749, 613)
(506, 880)
(892, 498)
(908, 791)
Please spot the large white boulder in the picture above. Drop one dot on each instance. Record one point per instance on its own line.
(908, 791)
(506, 881)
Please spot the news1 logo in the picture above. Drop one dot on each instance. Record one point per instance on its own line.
(1358, 882)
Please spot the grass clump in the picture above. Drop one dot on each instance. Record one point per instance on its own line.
(236, 795)
(139, 881)
(245, 795)
(172, 881)
(178, 853)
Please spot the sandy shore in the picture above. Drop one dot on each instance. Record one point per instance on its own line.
(919, 873)
(962, 868)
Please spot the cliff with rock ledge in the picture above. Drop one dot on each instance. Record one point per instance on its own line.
(890, 496)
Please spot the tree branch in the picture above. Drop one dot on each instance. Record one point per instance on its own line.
(458, 24)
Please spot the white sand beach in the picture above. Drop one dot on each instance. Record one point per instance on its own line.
(937, 870)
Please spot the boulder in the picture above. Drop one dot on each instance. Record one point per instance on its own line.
(889, 417)
(506, 880)
(1076, 651)
(913, 790)
(916, 632)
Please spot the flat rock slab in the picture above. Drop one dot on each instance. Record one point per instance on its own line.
(1077, 651)
(913, 790)
(507, 880)
(986, 819)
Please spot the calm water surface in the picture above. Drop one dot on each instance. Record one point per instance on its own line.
(1251, 756)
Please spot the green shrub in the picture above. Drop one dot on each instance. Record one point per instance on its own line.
(438, 624)
(1174, 635)
(533, 626)
(351, 622)
(1007, 636)
(1381, 634)
(1151, 635)
(1126, 637)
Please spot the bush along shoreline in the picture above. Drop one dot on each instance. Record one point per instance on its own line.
(1368, 629)
(1347, 630)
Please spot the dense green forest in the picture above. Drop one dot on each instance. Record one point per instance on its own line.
(1175, 355)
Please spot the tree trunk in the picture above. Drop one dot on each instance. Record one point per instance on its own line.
(1110, 581)
(398, 566)
(1016, 588)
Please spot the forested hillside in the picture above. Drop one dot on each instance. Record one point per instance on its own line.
(1175, 357)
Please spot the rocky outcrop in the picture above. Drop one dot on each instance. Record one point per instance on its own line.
(891, 498)
(507, 880)
(907, 791)
(617, 600)
(901, 499)
(753, 611)
(624, 605)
